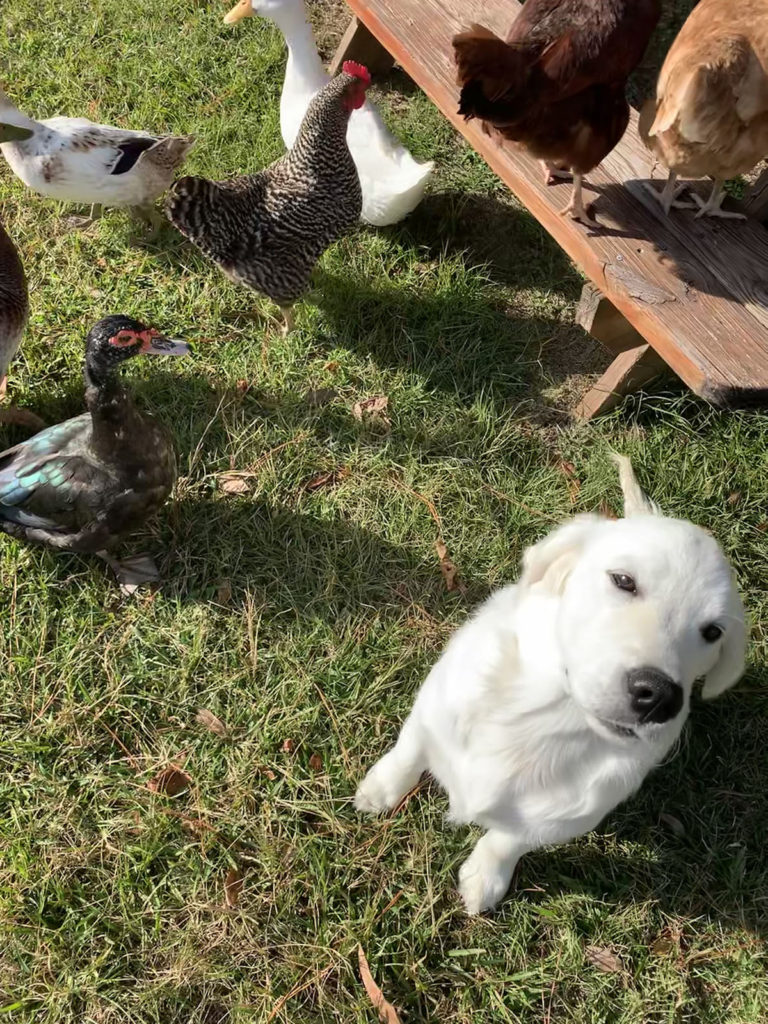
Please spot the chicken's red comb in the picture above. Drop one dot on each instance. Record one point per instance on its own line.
(351, 67)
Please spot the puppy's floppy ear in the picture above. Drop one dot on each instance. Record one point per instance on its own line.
(636, 501)
(551, 560)
(729, 667)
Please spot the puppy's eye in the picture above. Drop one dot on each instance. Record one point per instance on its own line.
(711, 633)
(623, 582)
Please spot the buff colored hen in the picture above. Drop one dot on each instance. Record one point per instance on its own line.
(710, 115)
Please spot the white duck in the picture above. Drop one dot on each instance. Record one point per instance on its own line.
(392, 181)
(75, 160)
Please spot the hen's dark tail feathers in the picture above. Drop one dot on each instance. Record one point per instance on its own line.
(492, 74)
(189, 206)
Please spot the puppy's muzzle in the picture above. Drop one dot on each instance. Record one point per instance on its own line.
(653, 695)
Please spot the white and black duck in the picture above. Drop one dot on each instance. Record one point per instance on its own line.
(77, 161)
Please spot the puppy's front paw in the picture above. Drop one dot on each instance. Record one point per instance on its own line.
(375, 793)
(482, 881)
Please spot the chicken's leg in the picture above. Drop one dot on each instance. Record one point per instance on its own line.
(288, 320)
(712, 207)
(553, 171)
(576, 207)
(667, 198)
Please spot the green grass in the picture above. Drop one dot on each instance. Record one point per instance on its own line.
(112, 899)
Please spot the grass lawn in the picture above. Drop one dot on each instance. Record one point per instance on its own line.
(305, 611)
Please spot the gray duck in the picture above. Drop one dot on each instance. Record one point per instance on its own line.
(84, 484)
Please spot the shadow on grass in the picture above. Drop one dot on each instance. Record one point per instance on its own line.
(302, 564)
(453, 331)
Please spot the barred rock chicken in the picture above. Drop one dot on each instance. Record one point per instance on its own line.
(268, 230)
(710, 115)
(557, 84)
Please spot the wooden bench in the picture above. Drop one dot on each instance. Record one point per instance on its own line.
(679, 293)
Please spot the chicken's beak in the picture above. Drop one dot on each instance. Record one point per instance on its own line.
(238, 12)
(162, 346)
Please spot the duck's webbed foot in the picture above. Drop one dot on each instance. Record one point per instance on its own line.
(133, 572)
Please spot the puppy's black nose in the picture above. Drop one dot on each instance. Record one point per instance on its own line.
(654, 696)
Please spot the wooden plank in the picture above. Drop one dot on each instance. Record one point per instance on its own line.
(629, 371)
(359, 44)
(756, 202)
(603, 321)
(695, 289)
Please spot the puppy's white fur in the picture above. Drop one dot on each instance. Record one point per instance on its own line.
(527, 721)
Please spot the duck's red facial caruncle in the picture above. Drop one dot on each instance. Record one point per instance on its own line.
(149, 341)
(127, 338)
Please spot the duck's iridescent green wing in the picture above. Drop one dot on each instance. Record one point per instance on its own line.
(46, 481)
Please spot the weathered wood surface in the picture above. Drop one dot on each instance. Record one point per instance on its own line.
(367, 49)
(696, 290)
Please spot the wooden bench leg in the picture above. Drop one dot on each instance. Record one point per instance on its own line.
(635, 362)
(359, 44)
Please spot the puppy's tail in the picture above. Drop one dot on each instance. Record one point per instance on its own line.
(636, 501)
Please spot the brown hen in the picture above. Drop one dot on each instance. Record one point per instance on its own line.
(557, 84)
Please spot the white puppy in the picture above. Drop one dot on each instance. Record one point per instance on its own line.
(552, 704)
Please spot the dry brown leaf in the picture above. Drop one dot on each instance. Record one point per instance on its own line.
(447, 568)
(210, 722)
(317, 397)
(288, 746)
(224, 592)
(663, 945)
(233, 886)
(328, 479)
(673, 824)
(574, 484)
(386, 1011)
(269, 774)
(332, 367)
(316, 763)
(233, 483)
(604, 959)
(373, 411)
(171, 781)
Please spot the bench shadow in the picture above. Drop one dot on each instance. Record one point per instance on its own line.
(722, 258)
(494, 233)
(302, 563)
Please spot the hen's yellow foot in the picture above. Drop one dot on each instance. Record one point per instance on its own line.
(712, 207)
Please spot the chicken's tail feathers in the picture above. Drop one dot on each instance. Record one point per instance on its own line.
(488, 69)
(187, 202)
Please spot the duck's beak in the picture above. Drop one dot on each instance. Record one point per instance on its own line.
(238, 12)
(162, 346)
(14, 133)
